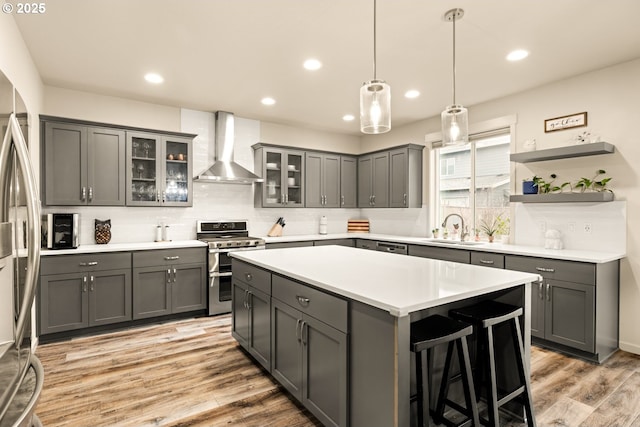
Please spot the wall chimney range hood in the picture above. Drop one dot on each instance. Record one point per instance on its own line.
(224, 169)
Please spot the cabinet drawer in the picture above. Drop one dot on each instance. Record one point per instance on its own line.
(339, 242)
(169, 257)
(327, 308)
(60, 264)
(445, 254)
(251, 275)
(365, 244)
(487, 259)
(289, 244)
(569, 271)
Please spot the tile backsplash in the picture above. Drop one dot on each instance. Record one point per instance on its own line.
(583, 226)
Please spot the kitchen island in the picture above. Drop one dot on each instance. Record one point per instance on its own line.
(361, 303)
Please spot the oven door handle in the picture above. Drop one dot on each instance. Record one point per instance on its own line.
(214, 274)
(216, 262)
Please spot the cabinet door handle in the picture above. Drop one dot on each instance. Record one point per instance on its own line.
(246, 299)
(92, 282)
(370, 200)
(540, 290)
(374, 199)
(249, 298)
(546, 270)
(298, 330)
(248, 276)
(84, 284)
(171, 258)
(175, 275)
(164, 196)
(168, 278)
(286, 199)
(83, 194)
(90, 194)
(303, 300)
(404, 199)
(303, 328)
(486, 261)
(341, 200)
(548, 292)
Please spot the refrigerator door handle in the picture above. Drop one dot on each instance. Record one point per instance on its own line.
(33, 215)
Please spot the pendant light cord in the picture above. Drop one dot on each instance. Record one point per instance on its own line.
(374, 39)
(454, 57)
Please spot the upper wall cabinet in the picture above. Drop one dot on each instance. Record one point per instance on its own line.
(83, 165)
(159, 170)
(391, 178)
(348, 182)
(322, 180)
(283, 173)
(86, 163)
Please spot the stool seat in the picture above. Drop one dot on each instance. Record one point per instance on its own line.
(431, 332)
(435, 330)
(485, 315)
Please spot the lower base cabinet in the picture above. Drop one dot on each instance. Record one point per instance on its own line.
(80, 291)
(310, 361)
(251, 321)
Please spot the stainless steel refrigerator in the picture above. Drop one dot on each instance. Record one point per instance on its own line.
(21, 374)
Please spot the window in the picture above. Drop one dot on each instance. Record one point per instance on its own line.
(483, 165)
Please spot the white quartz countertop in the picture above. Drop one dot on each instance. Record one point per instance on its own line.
(563, 254)
(395, 283)
(121, 247)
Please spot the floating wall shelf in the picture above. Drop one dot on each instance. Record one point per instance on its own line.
(563, 197)
(564, 152)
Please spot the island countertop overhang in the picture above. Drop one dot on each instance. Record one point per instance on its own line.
(398, 284)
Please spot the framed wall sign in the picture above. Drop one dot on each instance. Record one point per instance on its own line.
(565, 122)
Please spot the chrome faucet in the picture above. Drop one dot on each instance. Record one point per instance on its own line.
(464, 232)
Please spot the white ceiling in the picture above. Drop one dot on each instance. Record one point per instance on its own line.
(228, 54)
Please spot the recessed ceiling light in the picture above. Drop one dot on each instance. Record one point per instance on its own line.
(517, 55)
(348, 117)
(268, 101)
(312, 64)
(411, 94)
(153, 78)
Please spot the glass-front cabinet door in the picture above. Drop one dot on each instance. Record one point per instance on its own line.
(159, 172)
(177, 186)
(283, 178)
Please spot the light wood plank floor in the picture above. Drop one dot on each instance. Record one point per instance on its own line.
(192, 373)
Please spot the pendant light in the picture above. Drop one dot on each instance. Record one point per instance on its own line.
(455, 118)
(375, 98)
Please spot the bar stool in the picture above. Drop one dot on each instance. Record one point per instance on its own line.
(428, 333)
(485, 315)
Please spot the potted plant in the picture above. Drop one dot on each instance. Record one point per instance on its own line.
(591, 184)
(503, 229)
(530, 185)
(490, 227)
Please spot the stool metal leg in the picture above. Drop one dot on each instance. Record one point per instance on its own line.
(419, 387)
(492, 391)
(522, 372)
(467, 380)
(444, 385)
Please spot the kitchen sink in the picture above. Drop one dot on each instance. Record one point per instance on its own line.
(455, 242)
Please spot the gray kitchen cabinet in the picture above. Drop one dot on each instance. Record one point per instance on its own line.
(574, 306)
(168, 281)
(159, 170)
(283, 171)
(373, 180)
(309, 348)
(83, 165)
(348, 182)
(322, 180)
(251, 311)
(436, 252)
(405, 177)
(299, 244)
(366, 244)
(340, 242)
(80, 291)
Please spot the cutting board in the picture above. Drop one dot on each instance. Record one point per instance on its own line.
(358, 226)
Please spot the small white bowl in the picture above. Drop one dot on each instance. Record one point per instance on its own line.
(272, 165)
(291, 167)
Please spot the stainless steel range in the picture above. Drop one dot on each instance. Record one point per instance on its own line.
(223, 238)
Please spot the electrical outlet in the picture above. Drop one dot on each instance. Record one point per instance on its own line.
(587, 228)
(542, 227)
(571, 227)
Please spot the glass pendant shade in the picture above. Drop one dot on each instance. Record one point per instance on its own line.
(455, 125)
(375, 107)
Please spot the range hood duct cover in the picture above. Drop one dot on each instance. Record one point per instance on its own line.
(224, 169)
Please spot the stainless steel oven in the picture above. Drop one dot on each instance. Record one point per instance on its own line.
(224, 237)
